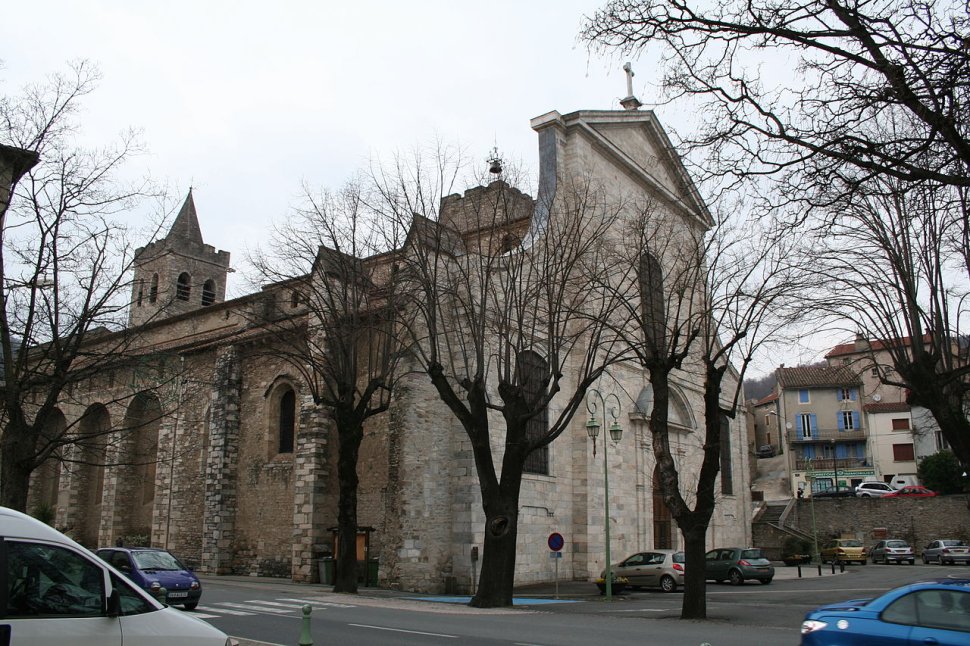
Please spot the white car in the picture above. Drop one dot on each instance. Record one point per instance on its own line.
(59, 593)
(873, 490)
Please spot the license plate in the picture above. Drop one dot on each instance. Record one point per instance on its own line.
(177, 595)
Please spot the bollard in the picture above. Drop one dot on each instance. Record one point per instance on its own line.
(162, 595)
(833, 567)
(305, 638)
(799, 570)
(841, 566)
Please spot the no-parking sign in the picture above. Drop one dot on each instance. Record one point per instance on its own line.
(556, 541)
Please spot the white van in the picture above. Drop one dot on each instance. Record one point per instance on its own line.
(56, 592)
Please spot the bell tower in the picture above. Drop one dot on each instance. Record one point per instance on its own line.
(179, 273)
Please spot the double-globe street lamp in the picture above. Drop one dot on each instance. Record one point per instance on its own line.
(616, 432)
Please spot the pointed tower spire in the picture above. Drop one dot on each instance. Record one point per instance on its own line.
(186, 226)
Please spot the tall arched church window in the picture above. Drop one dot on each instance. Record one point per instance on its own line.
(653, 310)
(208, 293)
(287, 421)
(153, 290)
(532, 375)
(183, 288)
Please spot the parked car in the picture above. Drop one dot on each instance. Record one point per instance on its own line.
(844, 550)
(834, 492)
(929, 612)
(947, 550)
(766, 451)
(662, 569)
(153, 569)
(57, 592)
(893, 550)
(912, 491)
(619, 584)
(737, 564)
(873, 490)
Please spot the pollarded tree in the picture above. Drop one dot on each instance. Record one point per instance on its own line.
(505, 324)
(893, 263)
(698, 303)
(64, 253)
(335, 326)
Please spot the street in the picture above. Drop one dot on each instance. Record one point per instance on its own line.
(269, 611)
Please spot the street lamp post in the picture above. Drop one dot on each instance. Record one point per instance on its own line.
(616, 432)
(811, 502)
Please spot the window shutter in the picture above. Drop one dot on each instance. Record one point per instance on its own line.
(855, 420)
(841, 451)
(814, 422)
(841, 420)
(854, 394)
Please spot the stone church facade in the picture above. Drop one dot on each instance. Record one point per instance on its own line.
(226, 461)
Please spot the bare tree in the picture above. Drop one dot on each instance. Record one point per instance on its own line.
(64, 256)
(336, 308)
(852, 64)
(697, 305)
(892, 262)
(506, 326)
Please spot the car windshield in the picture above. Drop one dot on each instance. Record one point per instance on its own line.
(897, 544)
(151, 560)
(679, 557)
(850, 543)
(752, 554)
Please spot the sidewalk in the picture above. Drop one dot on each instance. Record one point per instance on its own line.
(567, 589)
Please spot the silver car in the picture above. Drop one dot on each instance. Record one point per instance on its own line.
(873, 490)
(662, 569)
(947, 550)
(893, 550)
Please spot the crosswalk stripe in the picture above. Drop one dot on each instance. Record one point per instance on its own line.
(277, 604)
(202, 615)
(244, 606)
(318, 602)
(225, 611)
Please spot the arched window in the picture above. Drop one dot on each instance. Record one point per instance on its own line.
(208, 293)
(287, 421)
(153, 290)
(652, 306)
(183, 288)
(532, 375)
(141, 292)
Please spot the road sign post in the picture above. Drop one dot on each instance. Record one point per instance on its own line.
(556, 542)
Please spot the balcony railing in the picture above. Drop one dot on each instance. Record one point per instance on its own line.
(830, 464)
(827, 435)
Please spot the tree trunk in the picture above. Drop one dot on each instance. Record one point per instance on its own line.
(694, 605)
(350, 434)
(16, 464)
(497, 576)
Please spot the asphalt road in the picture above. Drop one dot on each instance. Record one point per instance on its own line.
(269, 611)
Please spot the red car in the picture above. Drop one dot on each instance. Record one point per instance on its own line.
(912, 491)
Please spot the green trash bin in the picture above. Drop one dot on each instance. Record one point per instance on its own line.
(326, 570)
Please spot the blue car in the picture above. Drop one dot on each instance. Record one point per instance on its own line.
(153, 569)
(928, 612)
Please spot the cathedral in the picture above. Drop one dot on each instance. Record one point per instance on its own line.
(225, 460)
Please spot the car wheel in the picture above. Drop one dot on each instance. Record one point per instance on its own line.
(192, 605)
(865, 495)
(765, 581)
(602, 588)
(912, 561)
(925, 562)
(667, 583)
(735, 577)
(863, 561)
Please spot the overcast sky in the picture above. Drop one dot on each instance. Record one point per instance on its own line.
(245, 101)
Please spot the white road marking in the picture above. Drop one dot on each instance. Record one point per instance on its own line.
(243, 606)
(224, 611)
(202, 615)
(400, 630)
(318, 602)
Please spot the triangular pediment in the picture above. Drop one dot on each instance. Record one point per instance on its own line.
(644, 147)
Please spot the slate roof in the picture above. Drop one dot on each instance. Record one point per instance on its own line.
(186, 226)
(817, 377)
